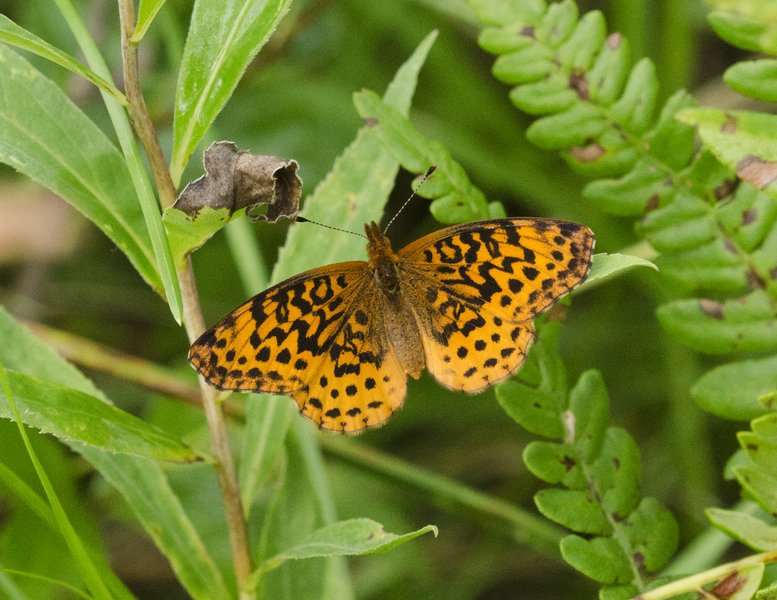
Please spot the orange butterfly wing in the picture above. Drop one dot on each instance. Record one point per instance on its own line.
(475, 289)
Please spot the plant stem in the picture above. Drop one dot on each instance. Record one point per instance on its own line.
(695, 582)
(195, 325)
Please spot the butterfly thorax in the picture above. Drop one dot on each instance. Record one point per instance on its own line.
(400, 323)
(383, 261)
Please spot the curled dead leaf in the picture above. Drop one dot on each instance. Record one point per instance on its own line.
(235, 179)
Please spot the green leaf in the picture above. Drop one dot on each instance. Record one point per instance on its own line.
(533, 63)
(577, 510)
(762, 486)
(745, 325)
(754, 78)
(12, 34)
(74, 416)
(580, 50)
(746, 27)
(533, 409)
(601, 559)
(89, 571)
(634, 110)
(44, 136)
(506, 12)
(140, 481)
(746, 528)
(617, 473)
(147, 10)
(547, 96)
(765, 427)
(223, 39)
(573, 127)
(267, 421)
(417, 154)
(653, 534)
(731, 391)
(618, 592)
(605, 266)
(555, 463)
(714, 265)
(345, 538)
(590, 405)
(187, 234)
(557, 23)
(607, 76)
(743, 140)
(668, 143)
(761, 453)
(145, 488)
(629, 195)
(681, 225)
(767, 593)
(747, 582)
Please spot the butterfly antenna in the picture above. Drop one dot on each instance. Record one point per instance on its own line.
(304, 220)
(425, 177)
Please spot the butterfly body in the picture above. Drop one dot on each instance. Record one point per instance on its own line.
(342, 339)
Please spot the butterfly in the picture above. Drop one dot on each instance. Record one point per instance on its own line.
(341, 339)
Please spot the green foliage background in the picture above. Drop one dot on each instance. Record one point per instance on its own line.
(457, 462)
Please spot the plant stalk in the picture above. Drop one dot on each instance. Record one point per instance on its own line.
(193, 320)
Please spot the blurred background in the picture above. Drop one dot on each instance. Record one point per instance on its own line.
(295, 101)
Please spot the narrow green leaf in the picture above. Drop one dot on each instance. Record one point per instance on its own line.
(731, 391)
(605, 266)
(653, 534)
(267, 420)
(590, 405)
(576, 510)
(532, 409)
(87, 569)
(147, 10)
(140, 481)
(601, 559)
(143, 189)
(345, 538)
(683, 224)
(12, 34)
(144, 486)
(745, 325)
(44, 136)
(754, 78)
(746, 528)
(223, 39)
(72, 415)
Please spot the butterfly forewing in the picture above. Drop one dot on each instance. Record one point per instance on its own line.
(515, 268)
(273, 342)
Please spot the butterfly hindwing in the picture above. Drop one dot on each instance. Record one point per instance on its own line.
(361, 382)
